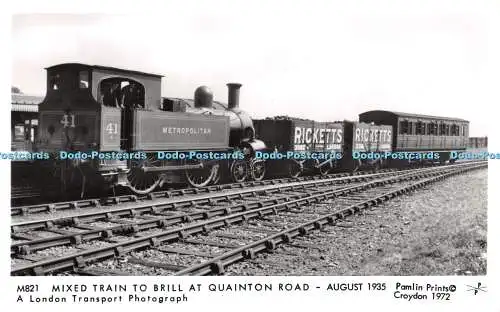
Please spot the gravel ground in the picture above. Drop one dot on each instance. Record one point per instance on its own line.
(437, 231)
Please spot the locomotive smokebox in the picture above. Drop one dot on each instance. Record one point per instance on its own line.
(233, 100)
(203, 97)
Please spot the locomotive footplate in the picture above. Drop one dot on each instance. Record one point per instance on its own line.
(174, 167)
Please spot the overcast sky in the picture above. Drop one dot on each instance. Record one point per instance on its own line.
(328, 61)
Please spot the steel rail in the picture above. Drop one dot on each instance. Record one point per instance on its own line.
(80, 259)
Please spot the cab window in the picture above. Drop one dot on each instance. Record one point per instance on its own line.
(122, 93)
(55, 82)
(84, 79)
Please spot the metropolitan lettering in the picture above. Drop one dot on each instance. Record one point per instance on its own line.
(187, 131)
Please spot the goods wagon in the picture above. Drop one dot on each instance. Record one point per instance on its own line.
(325, 145)
(292, 141)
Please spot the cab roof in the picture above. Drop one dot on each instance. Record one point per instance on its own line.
(99, 67)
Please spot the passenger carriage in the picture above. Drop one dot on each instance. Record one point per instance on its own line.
(422, 133)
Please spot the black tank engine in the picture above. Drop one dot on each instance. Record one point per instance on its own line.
(95, 109)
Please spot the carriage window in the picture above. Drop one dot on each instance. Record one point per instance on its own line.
(458, 131)
(442, 129)
(84, 79)
(410, 127)
(447, 130)
(420, 128)
(403, 126)
(432, 128)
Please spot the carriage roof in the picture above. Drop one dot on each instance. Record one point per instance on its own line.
(408, 115)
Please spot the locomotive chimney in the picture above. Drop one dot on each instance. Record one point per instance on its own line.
(233, 100)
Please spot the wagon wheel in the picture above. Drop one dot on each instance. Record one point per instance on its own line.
(325, 169)
(139, 181)
(356, 165)
(239, 170)
(295, 168)
(201, 177)
(258, 169)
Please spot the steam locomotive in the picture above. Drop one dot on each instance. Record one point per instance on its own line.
(104, 109)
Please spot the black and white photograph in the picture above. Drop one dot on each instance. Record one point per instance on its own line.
(253, 139)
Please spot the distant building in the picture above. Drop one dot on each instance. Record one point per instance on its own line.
(24, 120)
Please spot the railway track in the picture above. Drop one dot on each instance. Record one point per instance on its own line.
(114, 200)
(200, 203)
(63, 230)
(165, 235)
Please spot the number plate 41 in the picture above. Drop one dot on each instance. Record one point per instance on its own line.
(68, 121)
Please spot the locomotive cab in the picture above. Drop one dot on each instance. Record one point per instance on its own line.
(86, 107)
(90, 109)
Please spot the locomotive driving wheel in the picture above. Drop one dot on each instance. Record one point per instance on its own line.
(258, 169)
(201, 177)
(140, 181)
(216, 178)
(239, 171)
